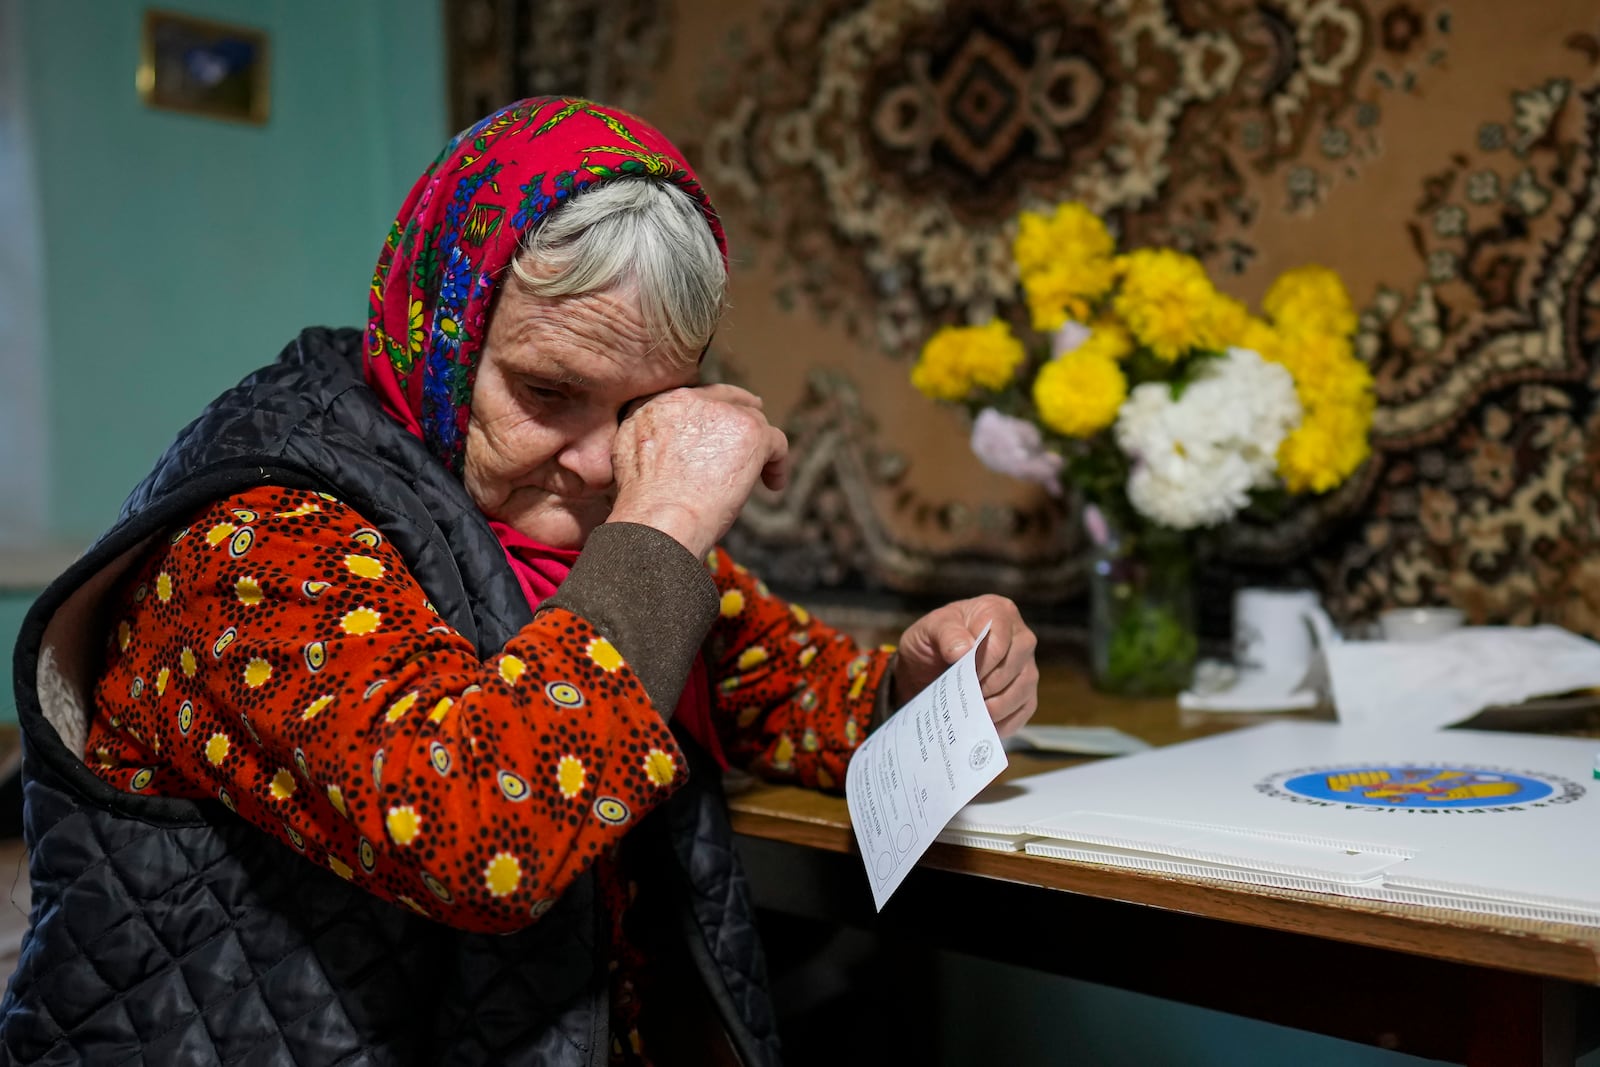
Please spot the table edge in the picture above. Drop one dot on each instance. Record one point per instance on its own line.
(1531, 948)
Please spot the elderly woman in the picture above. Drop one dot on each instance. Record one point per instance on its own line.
(384, 726)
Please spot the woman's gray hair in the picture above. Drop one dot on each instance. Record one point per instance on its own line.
(638, 234)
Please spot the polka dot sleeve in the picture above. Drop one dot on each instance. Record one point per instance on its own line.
(792, 697)
(278, 655)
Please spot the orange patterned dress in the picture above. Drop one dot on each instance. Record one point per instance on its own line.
(278, 655)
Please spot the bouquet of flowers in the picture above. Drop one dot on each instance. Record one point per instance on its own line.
(1167, 403)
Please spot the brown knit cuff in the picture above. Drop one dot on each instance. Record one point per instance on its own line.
(649, 597)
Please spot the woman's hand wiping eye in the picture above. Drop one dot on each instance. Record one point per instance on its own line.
(686, 460)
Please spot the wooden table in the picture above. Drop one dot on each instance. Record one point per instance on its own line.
(1433, 983)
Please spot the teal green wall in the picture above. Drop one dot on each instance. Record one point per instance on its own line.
(12, 607)
(181, 252)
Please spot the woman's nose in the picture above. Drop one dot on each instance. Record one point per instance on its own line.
(589, 455)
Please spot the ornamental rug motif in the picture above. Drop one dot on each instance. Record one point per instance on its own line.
(869, 158)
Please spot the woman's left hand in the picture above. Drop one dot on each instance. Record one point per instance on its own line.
(1006, 669)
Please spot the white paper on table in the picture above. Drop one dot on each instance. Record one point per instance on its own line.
(918, 769)
(1428, 685)
(1075, 740)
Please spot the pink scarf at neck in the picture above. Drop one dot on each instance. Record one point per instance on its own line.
(540, 569)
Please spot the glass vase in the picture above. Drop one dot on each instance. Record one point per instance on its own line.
(1142, 637)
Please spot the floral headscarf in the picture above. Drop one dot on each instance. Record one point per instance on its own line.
(461, 227)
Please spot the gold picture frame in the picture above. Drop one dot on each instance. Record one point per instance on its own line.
(203, 67)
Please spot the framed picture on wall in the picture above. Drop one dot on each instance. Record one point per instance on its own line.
(204, 67)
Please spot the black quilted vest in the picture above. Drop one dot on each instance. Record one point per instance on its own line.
(171, 932)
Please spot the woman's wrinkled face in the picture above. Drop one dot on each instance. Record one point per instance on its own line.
(554, 380)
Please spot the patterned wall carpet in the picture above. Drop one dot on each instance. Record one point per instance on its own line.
(869, 156)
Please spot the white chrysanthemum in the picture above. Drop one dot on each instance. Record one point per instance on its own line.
(1264, 406)
(1196, 459)
(1187, 495)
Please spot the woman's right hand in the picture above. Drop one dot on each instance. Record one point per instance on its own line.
(685, 461)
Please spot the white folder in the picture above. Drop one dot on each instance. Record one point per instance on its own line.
(1496, 823)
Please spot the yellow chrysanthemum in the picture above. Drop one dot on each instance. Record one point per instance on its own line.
(1326, 371)
(441, 709)
(1072, 231)
(164, 586)
(1167, 302)
(248, 590)
(959, 359)
(1080, 393)
(1310, 299)
(732, 603)
(753, 656)
(162, 677)
(316, 707)
(1259, 337)
(1107, 340)
(187, 662)
(336, 798)
(220, 533)
(1066, 289)
(217, 749)
(1230, 321)
(570, 776)
(1324, 450)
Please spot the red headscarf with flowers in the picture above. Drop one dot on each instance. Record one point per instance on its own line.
(446, 255)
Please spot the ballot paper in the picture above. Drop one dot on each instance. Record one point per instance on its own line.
(918, 769)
